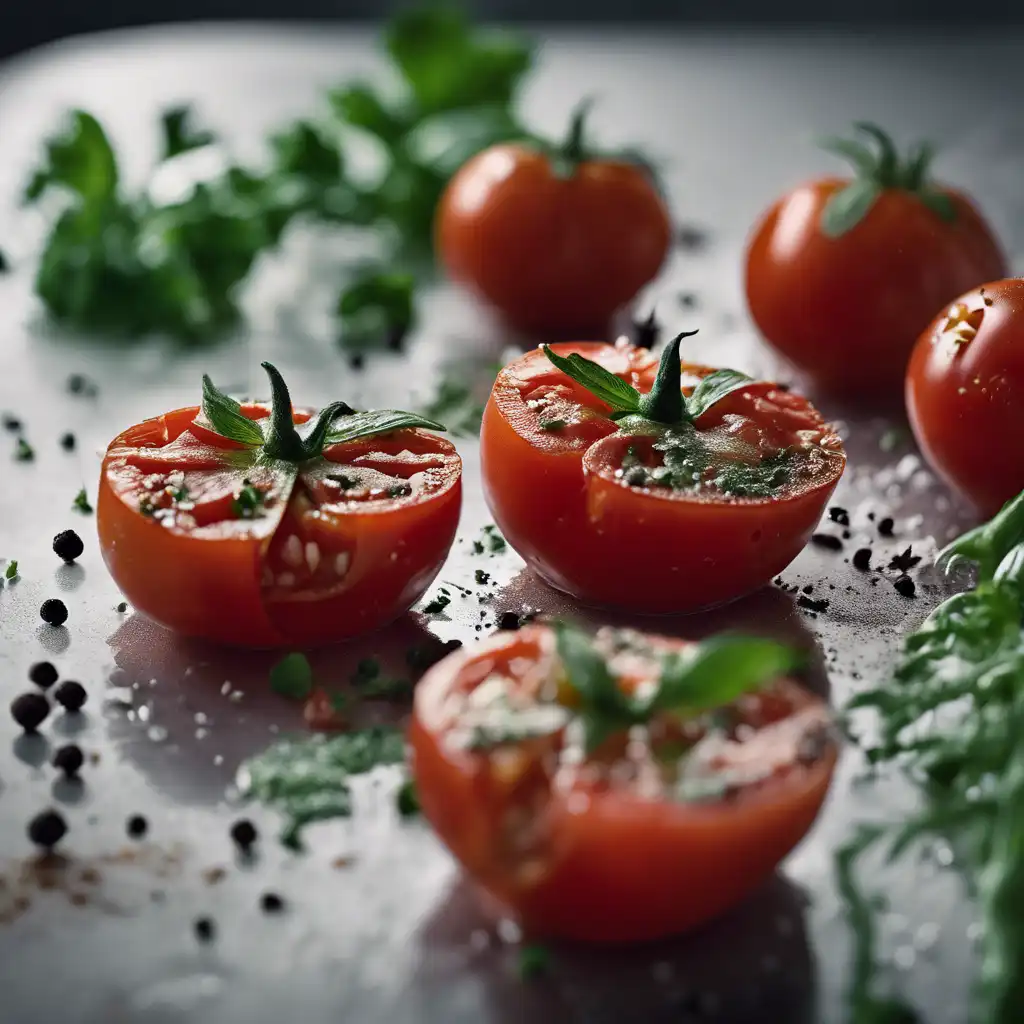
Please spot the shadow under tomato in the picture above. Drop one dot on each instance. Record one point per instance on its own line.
(767, 612)
(754, 963)
(187, 712)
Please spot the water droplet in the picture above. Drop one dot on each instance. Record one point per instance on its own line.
(157, 733)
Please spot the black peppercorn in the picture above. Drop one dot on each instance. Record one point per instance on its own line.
(70, 695)
(11, 423)
(47, 829)
(862, 559)
(905, 586)
(29, 710)
(244, 834)
(67, 442)
(356, 361)
(509, 620)
(885, 526)
(271, 903)
(827, 541)
(54, 612)
(69, 759)
(43, 674)
(205, 929)
(67, 545)
(137, 826)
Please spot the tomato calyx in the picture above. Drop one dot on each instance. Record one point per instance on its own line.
(876, 171)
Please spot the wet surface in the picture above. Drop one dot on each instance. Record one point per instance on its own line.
(378, 926)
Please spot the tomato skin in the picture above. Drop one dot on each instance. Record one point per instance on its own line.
(621, 869)
(552, 254)
(210, 586)
(848, 310)
(609, 545)
(963, 399)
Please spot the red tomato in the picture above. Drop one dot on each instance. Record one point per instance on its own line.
(848, 309)
(553, 474)
(554, 252)
(648, 836)
(338, 545)
(964, 386)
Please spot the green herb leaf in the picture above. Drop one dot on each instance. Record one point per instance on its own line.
(225, 416)
(719, 671)
(5, 263)
(847, 208)
(988, 544)
(361, 106)
(23, 451)
(292, 677)
(376, 309)
(612, 390)
(380, 421)
(247, 502)
(438, 604)
(534, 960)
(81, 160)
(304, 149)
(81, 502)
(180, 134)
(713, 388)
(12, 569)
(407, 800)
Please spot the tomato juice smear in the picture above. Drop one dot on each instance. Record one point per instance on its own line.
(757, 442)
(189, 480)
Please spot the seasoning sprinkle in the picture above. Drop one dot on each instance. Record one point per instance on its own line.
(67, 545)
(54, 612)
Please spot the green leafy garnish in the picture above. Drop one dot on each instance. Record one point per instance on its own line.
(292, 677)
(438, 604)
(180, 134)
(534, 960)
(307, 779)
(406, 799)
(81, 502)
(23, 451)
(12, 569)
(248, 501)
(225, 415)
(382, 421)
(953, 722)
(376, 310)
(878, 170)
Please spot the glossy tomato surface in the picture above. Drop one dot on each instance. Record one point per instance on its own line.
(964, 387)
(848, 310)
(553, 253)
(640, 839)
(552, 471)
(335, 547)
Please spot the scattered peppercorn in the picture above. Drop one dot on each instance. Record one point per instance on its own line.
(839, 515)
(809, 589)
(689, 236)
(827, 541)
(47, 829)
(811, 605)
(11, 423)
(646, 332)
(905, 586)
(688, 300)
(483, 578)
(54, 611)
(70, 695)
(29, 710)
(43, 674)
(136, 826)
(67, 545)
(205, 929)
(904, 561)
(69, 759)
(356, 361)
(67, 441)
(244, 834)
(121, 606)
(79, 384)
(509, 620)
(271, 903)
(885, 526)
(862, 559)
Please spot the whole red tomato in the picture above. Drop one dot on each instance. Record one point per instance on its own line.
(584, 828)
(557, 242)
(842, 276)
(621, 492)
(225, 522)
(964, 387)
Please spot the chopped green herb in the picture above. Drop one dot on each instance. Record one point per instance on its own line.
(180, 495)
(247, 502)
(892, 439)
(534, 960)
(438, 604)
(292, 677)
(483, 578)
(180, 134)
(551, 425)
(376, 310)
(406, 800)
(12, 569)
(23, 451)
(493, 539)
(455, 404)
(81, 502)
(307, 779)
(402, 490)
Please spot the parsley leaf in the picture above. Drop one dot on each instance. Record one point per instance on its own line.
(81, 502)
(179, 133)
(23, 451)
(292, 677)
(376, 309)
(12, 569)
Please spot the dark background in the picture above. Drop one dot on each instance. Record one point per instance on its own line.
(28, 23)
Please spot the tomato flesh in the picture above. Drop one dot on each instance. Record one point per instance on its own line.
(323, 551)
(566, 501)
(650, 835)
(963, 393)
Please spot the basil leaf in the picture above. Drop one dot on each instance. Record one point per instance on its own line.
(379, 421)
(179, 133)
(986, 545)
(226, 417)
(713, 388)
(846, 209)
(719, 670)
(292, 677)
(596, 379)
